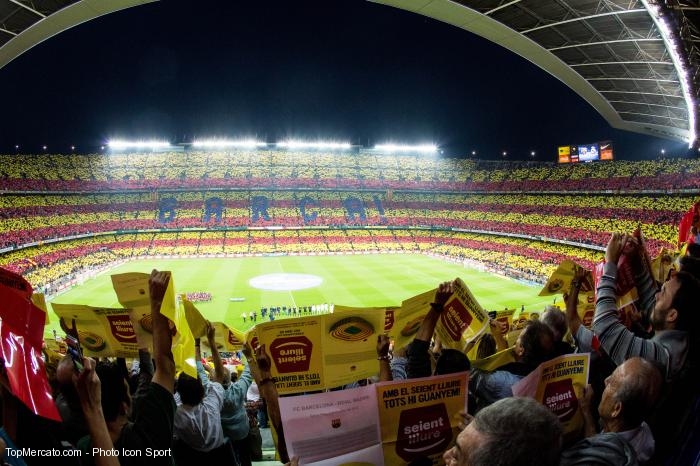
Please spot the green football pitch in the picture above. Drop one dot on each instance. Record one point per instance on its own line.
(353, 280)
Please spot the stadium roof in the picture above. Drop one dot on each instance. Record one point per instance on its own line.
(635, 61)
(616, 54)
(25, 23)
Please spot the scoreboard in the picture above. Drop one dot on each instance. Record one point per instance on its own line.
(586, 152)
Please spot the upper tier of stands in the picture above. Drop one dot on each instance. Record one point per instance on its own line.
(278, 169)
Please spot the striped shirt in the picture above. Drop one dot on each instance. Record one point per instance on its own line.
(668, 347)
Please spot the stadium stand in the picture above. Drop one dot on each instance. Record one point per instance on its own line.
(63, 214)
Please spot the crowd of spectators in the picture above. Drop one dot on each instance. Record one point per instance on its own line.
(207, 419)
(54, 264)
(26, 219)
(363, 169)
(198, 296)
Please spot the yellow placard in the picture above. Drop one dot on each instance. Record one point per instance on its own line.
(323, 352)
(662, 264)
(419, 419)
(407, 319)
(101, 331)
(294, 346)
(197, 323)
(560, 280)
(463, 319)
(349, 342)
(495, 361)
(586, 308)
(558, 384)
(133, 291)
(226, 338)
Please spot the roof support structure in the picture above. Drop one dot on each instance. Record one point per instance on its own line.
(582, 18)
(28, 8)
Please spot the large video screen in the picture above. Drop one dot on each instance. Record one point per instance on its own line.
(585, 152)
(588, 153)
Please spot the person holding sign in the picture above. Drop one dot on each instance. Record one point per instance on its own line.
(234, 419)
(152, 425)
(534, 345)
(261, 368)
(198, 419)
(87, 384)
(674, 346)
(419, 361)
(630, 395)
(673, 315)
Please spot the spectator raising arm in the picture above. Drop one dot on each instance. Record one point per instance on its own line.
(582, 335)
(215, 356)
(268, 390)
(89, 390)
(418, 357)
(162, 338)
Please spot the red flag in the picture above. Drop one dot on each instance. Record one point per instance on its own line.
(687, 222)
(21, 332)
(15, 282)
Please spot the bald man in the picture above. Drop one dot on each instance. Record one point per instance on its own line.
(630, 395)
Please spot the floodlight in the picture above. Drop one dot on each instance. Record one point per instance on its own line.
(120, 144)
(223, 143)
(296, 144)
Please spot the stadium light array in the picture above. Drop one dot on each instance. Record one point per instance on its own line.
(120, 144)
(295, 144)
(422, 148)
(675, 48)
(224, 143)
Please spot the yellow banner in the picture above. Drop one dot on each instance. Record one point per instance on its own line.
(323, 352)
(662, 264)
(197, 323)
(403, 323)
(518, 324)
(295, 348)
(558, 384)
(132, 291)
(419, 419)
(251, 338)
(226, 338)
(494, 361)
(561, 278)
(586, 308)
(462, 320)
(101, 331)
(349, 342)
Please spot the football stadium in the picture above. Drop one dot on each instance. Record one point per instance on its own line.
(329, 301)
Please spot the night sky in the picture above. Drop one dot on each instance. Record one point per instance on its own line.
(346, 70)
